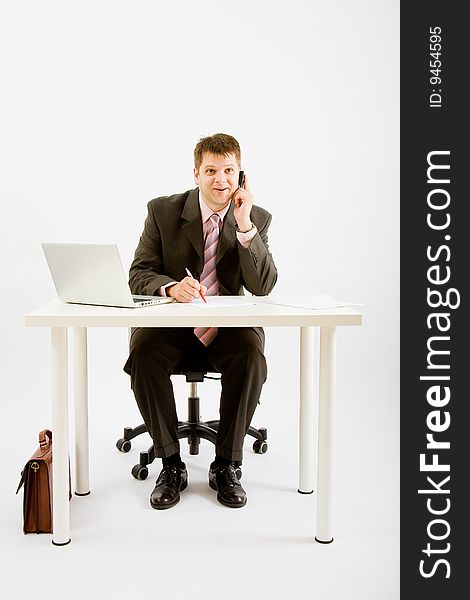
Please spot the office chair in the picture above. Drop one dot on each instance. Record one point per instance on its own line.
(195, 369)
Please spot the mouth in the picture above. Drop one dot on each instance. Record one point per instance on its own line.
(220, 189)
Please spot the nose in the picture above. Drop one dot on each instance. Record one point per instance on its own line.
(220, 177)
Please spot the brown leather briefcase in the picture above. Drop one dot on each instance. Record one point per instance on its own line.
(37, 480)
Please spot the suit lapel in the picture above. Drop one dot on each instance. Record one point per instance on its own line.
(193, 226)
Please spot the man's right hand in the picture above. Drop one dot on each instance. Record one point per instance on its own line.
(186, 290)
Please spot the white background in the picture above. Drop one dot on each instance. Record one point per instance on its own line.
(101, 105)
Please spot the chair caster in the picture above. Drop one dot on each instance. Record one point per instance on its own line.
(123, 445)
(140, 472)
(260, 447)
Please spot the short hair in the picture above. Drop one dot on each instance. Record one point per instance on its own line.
(220, 144)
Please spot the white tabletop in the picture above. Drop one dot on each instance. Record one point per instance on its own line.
(244, 311)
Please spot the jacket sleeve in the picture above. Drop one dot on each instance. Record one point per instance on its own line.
(259, 272)
(145, 275)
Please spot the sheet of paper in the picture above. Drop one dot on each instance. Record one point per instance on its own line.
(223, 301)
(313, 302)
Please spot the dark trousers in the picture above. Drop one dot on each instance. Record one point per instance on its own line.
(236, 352)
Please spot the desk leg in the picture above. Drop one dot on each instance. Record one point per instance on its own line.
(325, 433)
(60, 441)
(82, 482)
(306, 417)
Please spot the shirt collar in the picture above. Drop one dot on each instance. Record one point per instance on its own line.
(206, 211)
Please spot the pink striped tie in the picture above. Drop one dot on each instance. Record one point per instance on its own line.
(209, 274)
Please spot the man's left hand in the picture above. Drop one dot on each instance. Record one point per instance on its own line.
(242, 203)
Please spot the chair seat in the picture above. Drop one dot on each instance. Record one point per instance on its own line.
(195, 363)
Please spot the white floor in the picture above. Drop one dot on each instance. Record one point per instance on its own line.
(121, 547)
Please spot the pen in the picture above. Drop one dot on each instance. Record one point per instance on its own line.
(200, 293)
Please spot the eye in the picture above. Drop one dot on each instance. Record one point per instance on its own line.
(209, 171)
(229, 170)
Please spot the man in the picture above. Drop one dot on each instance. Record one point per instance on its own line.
(217, 234)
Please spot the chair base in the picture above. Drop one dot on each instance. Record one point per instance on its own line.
(194, 431)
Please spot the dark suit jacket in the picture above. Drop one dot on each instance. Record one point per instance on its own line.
(173, 239)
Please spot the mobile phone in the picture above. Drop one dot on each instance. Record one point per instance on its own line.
(241, 179)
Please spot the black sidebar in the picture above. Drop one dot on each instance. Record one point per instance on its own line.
(435, 331)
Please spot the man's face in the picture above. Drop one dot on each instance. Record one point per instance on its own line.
(217, 178)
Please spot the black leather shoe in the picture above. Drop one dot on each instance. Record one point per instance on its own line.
(171, 481)
(225, 481)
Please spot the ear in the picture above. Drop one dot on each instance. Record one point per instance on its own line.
(196, 176)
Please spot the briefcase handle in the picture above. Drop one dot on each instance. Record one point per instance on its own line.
(45, 442)
(45, 438)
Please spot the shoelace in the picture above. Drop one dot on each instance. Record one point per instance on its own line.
(167, 474)
(231, 476)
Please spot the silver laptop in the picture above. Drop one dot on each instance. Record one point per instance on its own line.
(92, 274)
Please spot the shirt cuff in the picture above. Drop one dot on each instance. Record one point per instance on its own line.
(245, 238)
(162, 290)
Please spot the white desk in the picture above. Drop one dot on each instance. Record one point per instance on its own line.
(59, 316)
